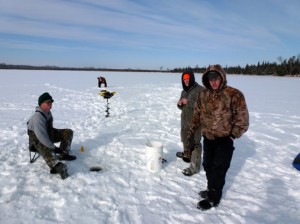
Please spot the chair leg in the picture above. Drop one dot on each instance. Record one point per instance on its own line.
(35, 156)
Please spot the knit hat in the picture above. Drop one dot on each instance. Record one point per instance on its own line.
(185, 76)
(45, 97)
(190, 75)
(213, 75)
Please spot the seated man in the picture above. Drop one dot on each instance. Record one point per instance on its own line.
(42, 137)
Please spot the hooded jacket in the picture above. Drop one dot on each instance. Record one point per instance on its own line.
(191, 93)
(222, 112)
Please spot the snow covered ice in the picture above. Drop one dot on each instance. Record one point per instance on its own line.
(261, 185)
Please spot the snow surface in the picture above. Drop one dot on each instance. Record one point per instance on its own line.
(261, 187)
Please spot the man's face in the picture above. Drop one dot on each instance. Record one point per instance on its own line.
(186, 82)
(215, 82)
(46, 106)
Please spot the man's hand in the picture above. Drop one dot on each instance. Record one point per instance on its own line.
(184, 101)
(179, 103)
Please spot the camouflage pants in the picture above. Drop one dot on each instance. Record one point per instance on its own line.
(195, 164)
(196, 156)
(64, 136)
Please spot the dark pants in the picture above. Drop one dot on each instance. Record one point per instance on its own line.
(100, 83)
(217, 155)
(64, 136)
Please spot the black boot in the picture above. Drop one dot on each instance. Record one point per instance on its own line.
(65, 156)
(188, 172)
(179, 154)
(61, 169)
(211, 198)
(203, 194)
(206, 204)
(187, 154)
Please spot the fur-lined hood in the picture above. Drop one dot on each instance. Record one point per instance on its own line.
(215, 68)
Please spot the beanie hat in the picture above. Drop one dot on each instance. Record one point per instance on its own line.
(45, 97)
(185, 76)
(213, 75)
(190, 75)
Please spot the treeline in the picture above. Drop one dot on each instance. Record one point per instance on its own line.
(290, 67)
(47, 67)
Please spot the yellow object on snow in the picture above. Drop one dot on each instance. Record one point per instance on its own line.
(81, 149)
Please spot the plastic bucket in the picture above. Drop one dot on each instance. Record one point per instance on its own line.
(154, 152)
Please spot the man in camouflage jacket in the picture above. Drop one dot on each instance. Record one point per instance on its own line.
(42, 136)
(187, 104)
(223, 116)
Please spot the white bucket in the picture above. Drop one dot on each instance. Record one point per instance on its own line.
(154, 153)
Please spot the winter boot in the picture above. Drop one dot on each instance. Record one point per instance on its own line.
(188, 172)
(61, 169)
(65, 156)
(212, 199)
(179, 154)
(203, 194)
(187, 154)
(206, 204)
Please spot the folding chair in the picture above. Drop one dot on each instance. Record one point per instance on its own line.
(35, 153)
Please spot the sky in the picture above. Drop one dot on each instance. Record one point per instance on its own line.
(148, 34)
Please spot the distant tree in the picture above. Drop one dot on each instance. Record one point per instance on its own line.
(291, 63)
(283, 65)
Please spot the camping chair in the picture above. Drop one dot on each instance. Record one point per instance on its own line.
(35, 153)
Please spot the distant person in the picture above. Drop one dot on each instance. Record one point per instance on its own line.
(186, 104)
(223, 116)
(42, 135)
(101, 80)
